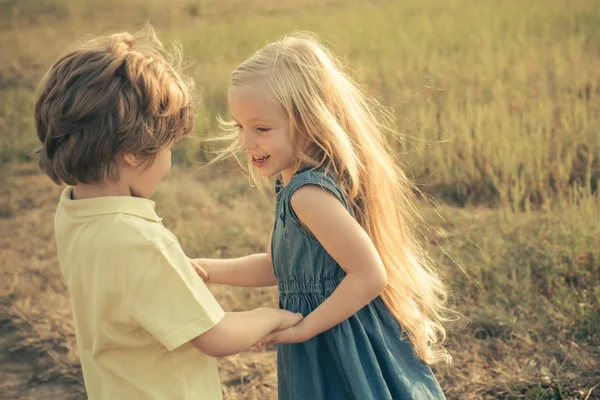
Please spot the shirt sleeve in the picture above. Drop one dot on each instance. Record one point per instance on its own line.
(172, 302)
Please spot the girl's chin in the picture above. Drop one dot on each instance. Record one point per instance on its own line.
(266, 173)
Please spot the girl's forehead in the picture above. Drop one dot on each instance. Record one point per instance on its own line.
(251, 100)
(250, 92)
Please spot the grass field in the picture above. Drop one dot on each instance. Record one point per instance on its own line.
(498, 104)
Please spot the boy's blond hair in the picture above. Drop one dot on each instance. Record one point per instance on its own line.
(112, 95)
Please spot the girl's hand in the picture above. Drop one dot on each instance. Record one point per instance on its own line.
(254, 270)
(199, 270)
(295, 334)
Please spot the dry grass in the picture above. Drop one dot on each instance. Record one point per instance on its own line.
(523, 341)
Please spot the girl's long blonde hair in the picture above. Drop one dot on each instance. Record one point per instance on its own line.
(346, 134)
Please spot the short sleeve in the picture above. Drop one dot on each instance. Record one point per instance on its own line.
(317, 178)
(172, 302)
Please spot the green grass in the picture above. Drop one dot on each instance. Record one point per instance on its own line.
(498, 102)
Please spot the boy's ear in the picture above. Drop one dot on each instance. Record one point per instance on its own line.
(132, 159)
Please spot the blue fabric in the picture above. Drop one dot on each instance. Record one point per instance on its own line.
(361, 358)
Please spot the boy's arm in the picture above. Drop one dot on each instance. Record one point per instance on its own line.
(254, 270)
(172, 303)
(238, 331)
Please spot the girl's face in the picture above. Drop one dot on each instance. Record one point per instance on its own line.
(263, 131)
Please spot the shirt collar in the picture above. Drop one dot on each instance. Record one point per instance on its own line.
(136, 206)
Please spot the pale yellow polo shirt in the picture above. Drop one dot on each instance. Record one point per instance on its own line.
(137, 302)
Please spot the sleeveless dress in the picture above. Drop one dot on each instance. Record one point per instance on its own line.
(361, 358)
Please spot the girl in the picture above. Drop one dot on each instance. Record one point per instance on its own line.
(342, 252)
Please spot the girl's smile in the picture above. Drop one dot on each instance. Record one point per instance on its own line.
(263, 131)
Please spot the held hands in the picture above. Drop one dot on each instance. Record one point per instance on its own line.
(295, 333)
(288, 319)
(290, 329)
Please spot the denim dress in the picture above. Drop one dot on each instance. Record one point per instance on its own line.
(361, 358)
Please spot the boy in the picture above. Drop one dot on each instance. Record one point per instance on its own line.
(107, 114)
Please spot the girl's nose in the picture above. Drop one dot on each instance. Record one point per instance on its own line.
(246, 141)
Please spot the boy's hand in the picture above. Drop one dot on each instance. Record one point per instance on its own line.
(288, 319)
(296, 333)
(199, 270)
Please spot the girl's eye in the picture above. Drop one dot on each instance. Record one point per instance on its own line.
(238, 126)
(263, 129)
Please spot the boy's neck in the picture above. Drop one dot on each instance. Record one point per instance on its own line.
(88, 191)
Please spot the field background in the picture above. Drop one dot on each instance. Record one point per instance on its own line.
(498, 104)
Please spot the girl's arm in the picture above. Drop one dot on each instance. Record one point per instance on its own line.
(238, 331)
(350, 246)
(254, 270)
